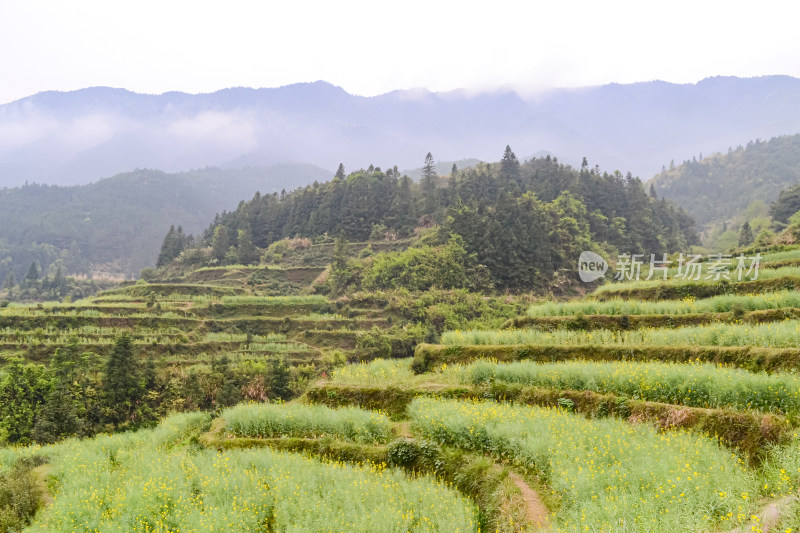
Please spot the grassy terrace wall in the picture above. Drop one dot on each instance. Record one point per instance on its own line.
(623, 322)
(430, 356)
(194, 350)
(142, 290)
(254, 325)
(747, 431)
(699, 290)
(489, 485)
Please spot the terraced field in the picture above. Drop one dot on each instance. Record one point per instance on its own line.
(626, 415)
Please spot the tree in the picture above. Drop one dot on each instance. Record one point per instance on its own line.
(279, 378)
(339, 263)
(428, 184)
(9, 284)
(220, 243)
(245, 251)
(23, 390)
(509, 166)
(786, 205)
(340, 172)
(174, 243)
(59, 418)
(746, 237)
(33, 273)
(122, 384)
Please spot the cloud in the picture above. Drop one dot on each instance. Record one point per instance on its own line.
(227, 132)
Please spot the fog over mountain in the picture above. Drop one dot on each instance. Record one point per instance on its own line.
(75, 137)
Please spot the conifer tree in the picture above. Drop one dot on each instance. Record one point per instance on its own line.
(746, 237)
(428, 184)
(122, 384)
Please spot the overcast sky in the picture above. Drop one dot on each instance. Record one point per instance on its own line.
(372, 47)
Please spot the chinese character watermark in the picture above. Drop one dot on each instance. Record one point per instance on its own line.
(687, 267)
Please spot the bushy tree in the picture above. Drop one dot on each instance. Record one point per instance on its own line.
(59, 418)
(23, 390)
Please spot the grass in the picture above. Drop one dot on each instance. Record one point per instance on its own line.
(609, 475)
(780, 256)
(308, 421)
(716, 304)
(763, 274)
(694, 385)
(784, 334)
(377, 372)
(274, 300)
(151, 481)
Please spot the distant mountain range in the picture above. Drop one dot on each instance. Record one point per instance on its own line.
(80, 136)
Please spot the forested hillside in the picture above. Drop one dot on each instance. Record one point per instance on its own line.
(115, 226)
(718, 189)
(524, 222)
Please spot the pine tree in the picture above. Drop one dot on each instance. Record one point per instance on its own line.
(340, 172)
(9, 284)
(33, 273)
(746, 237)
(428, 184)
(165, 255)
(122, 384)
(279, 378)
(509, 166)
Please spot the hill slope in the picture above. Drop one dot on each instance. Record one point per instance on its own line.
(116, 225)
(720, 187)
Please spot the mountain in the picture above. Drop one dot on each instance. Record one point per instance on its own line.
(717, 190)
(75, 137)
(115, 226)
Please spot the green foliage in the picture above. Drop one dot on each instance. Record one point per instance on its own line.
(242, 490)
(604, 470)
(746, 237)
(123, 387)
(716, 304)
(20, 495)
(312, 421)
(422, 268)
(785, 205)
(696, 385)
(174, 243)
(521, 222)
(279, 377)
(403, 452)
(23, 390)
(772, 335)
(720, 187)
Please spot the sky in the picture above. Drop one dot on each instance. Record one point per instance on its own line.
(369, 48)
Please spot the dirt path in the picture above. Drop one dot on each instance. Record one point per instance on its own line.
(403, 429)
(535, 510)
(770, 516)
(41, 473)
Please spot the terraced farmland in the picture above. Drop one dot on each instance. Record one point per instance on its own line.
(623, 415)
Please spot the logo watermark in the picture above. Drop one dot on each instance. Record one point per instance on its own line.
(688, 267)
(591, 267)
